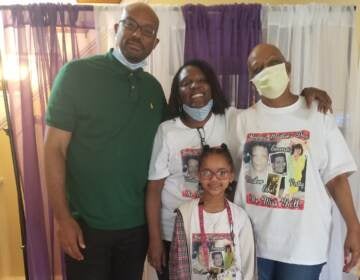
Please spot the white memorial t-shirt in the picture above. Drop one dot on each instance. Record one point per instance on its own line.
(288, 155)
(175, 157)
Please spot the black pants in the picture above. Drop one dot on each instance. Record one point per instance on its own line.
(165, 272)
(110, 255)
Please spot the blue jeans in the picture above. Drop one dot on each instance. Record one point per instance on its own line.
(274, 270)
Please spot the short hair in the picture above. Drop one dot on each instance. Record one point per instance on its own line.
(220, 102)
(213, 254)
(258, 144)
(297, 146)
(276, 155)
(248, 150)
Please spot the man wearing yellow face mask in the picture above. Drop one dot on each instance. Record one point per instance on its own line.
(292, 226)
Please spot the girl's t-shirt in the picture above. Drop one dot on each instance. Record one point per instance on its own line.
(219, 258)
(228, 256)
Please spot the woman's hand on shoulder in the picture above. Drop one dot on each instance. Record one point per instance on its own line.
(325, 102)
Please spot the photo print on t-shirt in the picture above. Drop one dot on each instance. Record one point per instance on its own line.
(275, 169)
(190, 166)
(220, 256)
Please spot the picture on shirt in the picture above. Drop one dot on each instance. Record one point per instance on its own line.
(190, 166)
(217, 259)
(275, 169)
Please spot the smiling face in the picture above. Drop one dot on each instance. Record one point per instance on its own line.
(132, 34)
(259, 158)
(218, 259)
(193, 167)
(215, 164)
(279, 164)
(194, 88)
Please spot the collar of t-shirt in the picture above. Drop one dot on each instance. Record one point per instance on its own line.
(120, 57)
(287, 109)
(208, 124)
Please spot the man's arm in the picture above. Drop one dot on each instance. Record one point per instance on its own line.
(156, 252)
(70, 234)
(340, 191)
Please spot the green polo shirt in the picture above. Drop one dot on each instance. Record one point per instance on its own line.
(113, 114)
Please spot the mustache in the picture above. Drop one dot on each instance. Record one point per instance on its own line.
(135, 41)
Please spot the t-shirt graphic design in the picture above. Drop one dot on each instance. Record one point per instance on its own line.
(275, 169)
(220, 257)
(190, 164)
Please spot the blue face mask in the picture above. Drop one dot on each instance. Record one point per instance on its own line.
(133, 66)
(199, 114)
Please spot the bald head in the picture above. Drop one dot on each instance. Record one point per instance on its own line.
(142, 10)
(136, 33)
(262, 56)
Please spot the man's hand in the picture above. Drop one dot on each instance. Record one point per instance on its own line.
(71, 238)
(156, 254)
(351, 248)
(321, 96)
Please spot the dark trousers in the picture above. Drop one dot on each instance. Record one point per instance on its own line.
(110, 255)
(165, 272)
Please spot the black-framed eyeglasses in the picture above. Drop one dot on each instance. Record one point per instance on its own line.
(132, 26)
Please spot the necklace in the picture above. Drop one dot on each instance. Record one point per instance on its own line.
(201, 132)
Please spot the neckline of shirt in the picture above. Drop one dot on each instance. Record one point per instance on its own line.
(209, 123)
(282, 110)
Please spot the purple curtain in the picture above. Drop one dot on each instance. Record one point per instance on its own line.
(39, 39)
(223, 36)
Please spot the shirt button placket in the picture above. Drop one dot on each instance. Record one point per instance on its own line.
(133, 90)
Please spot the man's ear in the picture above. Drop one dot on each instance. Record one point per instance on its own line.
(288, 67)
(156, 42)
(116, 27)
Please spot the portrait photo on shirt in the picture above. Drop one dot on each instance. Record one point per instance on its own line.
(273, 184)
(278, 163)
(219, 253)
(190, 168)
(275, 169)
(190, 163)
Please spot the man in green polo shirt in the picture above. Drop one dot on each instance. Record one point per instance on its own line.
(102, 116)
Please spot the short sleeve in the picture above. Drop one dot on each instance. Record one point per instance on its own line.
(339, 160)
(61, 109)
(159, 163)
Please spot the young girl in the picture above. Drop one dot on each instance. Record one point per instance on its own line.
(213, 238)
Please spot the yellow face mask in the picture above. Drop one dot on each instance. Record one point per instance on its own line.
(272, 81)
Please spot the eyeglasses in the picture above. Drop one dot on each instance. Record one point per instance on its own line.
(133, 26)
(220, 174)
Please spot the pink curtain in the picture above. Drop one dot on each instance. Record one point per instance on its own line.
(39, 39)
